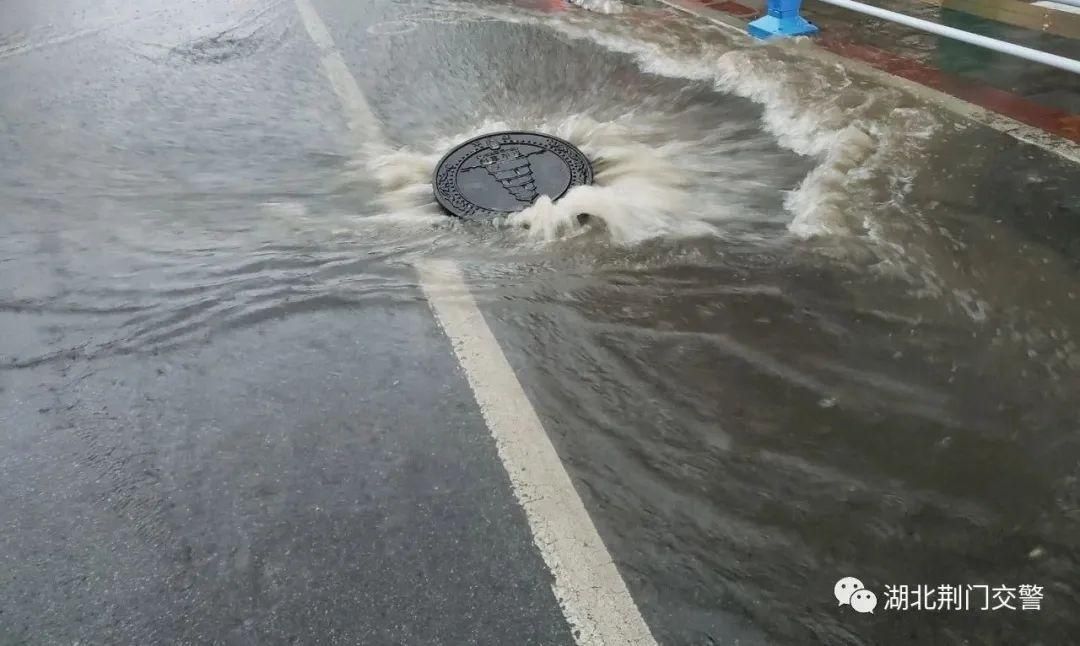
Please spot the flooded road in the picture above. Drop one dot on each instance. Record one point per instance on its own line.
(813, 328)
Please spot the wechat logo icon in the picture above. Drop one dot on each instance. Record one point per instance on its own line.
(851, 591)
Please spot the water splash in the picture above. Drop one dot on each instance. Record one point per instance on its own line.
(606, 7)
(639, 191)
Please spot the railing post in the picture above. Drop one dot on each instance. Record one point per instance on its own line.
(781, 21)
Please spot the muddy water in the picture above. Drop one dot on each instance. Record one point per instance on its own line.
(820, 328)
(813, 328)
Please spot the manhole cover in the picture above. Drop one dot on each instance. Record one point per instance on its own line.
(503, 172)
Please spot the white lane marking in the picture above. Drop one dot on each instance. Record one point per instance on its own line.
(362, 121)
(590, 591)
(593, 595)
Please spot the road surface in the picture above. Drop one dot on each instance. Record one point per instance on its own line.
(256, 389)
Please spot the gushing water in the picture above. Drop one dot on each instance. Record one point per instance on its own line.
(691, 157)
(802, 306)
(640, 191)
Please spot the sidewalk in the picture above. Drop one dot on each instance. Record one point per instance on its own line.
(1034, 94)
(1045, 85)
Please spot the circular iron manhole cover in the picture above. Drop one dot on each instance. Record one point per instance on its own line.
(503, 172)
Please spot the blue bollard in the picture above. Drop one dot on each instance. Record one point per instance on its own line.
(781, 21)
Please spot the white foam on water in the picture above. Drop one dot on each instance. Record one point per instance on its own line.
(870, 144)
(404, 176)
(639, 190)
(859, 132)
(606, 7)
(863, 137)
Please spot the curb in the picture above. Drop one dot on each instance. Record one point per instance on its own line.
(1049, 128)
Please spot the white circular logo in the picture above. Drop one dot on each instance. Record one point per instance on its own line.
(846, 587)
(864, 601)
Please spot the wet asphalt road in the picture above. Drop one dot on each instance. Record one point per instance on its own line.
(228, 416)
(319, 472)
(339, 489)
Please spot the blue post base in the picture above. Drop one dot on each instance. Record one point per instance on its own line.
(769, 26)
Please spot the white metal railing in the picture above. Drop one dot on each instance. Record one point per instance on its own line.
(1002, 46)
(1075, 3)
